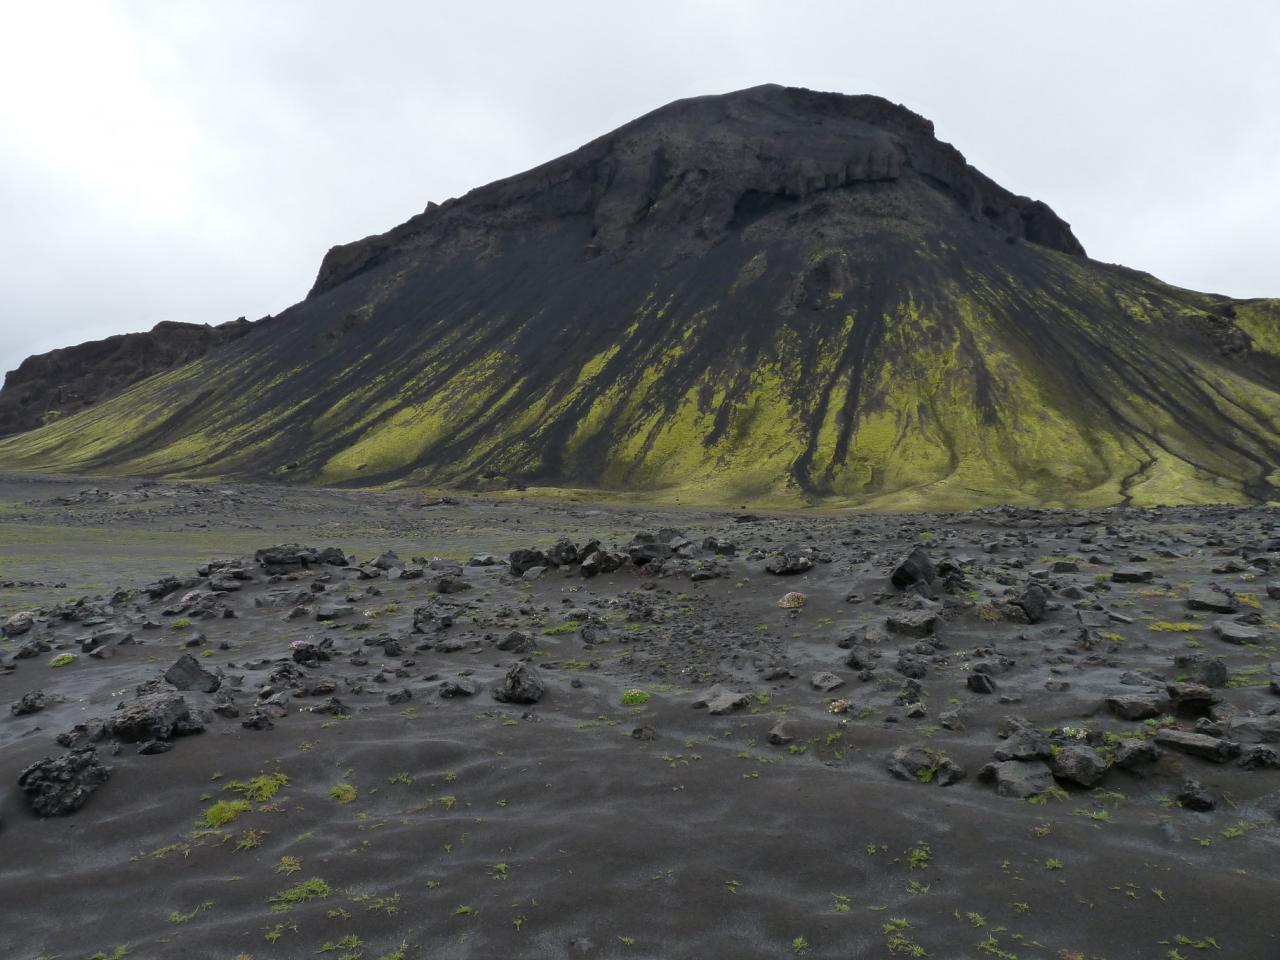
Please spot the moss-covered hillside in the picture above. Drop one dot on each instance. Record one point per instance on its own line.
(773, 296)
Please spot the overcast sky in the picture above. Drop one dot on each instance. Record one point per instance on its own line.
(168, 160)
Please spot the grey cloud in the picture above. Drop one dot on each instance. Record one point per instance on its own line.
(193, 161)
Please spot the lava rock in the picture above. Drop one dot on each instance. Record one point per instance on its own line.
(520, 685)
(788, 563)
(28, 703)
(1194, 796)
(1138, 706)
(1132, 574)
(1203, 669)
(912, 623)
(521, 561)
(462, 687)
(152, 716)
(1200, 745)
(57, 786)
(187, 674)
(917, 568)
(1078, 764)
(1017, 778)
(721, 700)
(1210, 600)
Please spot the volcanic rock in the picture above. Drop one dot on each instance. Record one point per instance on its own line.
(57, 786)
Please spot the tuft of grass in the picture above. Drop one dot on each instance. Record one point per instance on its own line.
(344, 793)
(176, 917)
(259, 789)
(62, 660)
(1181, 626)
(224, 812)
(304, 892)
(635, 698)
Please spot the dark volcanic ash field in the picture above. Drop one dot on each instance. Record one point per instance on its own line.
(1004, 748)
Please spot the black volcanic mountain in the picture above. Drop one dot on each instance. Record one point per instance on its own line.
(51, 385)
(773, 294)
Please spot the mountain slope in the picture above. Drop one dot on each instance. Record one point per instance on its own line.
(50, 385)
(774, 295)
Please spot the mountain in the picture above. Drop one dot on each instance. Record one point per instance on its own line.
(48, 386)
(773, 295)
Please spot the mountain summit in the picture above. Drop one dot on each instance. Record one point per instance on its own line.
(774, 294)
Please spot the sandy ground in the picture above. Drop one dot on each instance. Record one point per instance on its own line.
(407, 824)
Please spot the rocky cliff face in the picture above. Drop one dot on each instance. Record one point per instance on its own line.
(48, 386)
(697, 169)
(773, 295)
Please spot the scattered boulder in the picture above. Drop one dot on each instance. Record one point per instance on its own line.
(28, 703)
(1135, 752)
(788, 563)
(520, 561)
(1132, 574)
(520, 685)
(187, 674)
(1138, 706)
(912, 623)
(564, 554)
(461, 687)
(1254, 729)
(721, 700)
(1228, 631)
(1203, 669)
(1201, 745)
(982, 683)
(1260, 757)
(916, 569)
(517, 642)
(780, 734)
(18, 624)
(1210, 600)
(57, 786)
(1017, 778)
(1078, 764)
(152, 716)
(825, 682)
(1034, 601)
(1193, 796)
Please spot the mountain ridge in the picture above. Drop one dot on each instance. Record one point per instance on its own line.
(772, 295)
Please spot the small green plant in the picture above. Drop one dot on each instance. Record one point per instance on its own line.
(1165, 626)
(288, 865)
(1053, 863)
(224, 812)
(250, 839)
(635, 698)
(344, 793)
(259, 789)
(919, 856)
(181, 623)
(304, 892)
(62, 660)
(119, 953)
(176, 917)
(800, 945)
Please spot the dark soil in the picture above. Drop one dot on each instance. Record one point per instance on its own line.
(610, 818)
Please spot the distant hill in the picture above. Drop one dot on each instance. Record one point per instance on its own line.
(773, 295)
(48, 386)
